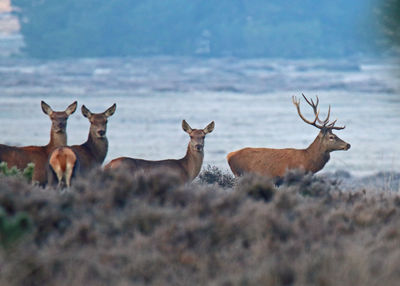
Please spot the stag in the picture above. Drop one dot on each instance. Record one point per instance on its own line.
(187, 168)
(274, 163)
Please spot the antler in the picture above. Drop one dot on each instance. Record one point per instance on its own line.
(315, 108)
(332, 126)
(324, 123)
(297, 104)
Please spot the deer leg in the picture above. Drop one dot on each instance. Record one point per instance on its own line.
(68, 174)
(59, 175)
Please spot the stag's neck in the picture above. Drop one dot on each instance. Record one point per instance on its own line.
(98, 148)
(192, 162)
(57, 140)
(317, 156)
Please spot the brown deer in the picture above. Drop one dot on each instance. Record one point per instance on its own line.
(69, 161)
(63, 162)
(274, 163)
(20, 157)
(187, 168)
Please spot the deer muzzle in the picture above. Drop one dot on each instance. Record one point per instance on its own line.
(199, 147)
(60, 128)
(101, 133)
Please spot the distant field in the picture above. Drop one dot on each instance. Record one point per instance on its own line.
(249, 100)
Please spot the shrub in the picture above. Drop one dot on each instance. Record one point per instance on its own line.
(27, 173)
(256, 187)
(214, 175)
(13, 227)
(308, 184)
(149, 229)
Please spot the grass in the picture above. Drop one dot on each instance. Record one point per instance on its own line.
(115, 229)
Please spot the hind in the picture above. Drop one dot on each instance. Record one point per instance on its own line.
(62, 164)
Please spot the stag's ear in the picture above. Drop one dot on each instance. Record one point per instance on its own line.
(186, 127)
(86, 112)
(110, 111)
(46, 108)
(209, 128)
(71, 108)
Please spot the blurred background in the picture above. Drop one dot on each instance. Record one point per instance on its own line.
(235, 62)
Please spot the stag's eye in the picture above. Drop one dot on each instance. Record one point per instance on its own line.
(331, 137)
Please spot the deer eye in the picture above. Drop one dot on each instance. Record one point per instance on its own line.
(331, 137)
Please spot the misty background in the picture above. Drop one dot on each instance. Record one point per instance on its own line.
(235, 62)
(255, 28)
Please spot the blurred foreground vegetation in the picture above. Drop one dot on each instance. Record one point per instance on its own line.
(26, 173)
(115, 229)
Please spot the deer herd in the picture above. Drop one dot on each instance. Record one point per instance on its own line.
(57, 164)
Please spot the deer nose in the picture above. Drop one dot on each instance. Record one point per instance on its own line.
(348, 146)
(101, 132)
(199, 147)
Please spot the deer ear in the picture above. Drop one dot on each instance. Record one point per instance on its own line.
(46, 108)
(186, 127)
(86, 112)
(110, 111)
(209, 128)
(71, 108)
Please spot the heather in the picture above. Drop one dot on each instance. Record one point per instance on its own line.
(112, 228)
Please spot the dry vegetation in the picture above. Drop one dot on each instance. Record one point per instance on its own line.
(112, 229)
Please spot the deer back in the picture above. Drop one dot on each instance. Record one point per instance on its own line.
(135, 166)
(273, 162)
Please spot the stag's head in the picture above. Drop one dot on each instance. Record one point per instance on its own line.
(197, 135)
(329, 141)
(58, 118)
(98, 121)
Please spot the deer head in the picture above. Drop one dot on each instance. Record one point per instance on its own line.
(329, 141)
(59, 118)
(197, 135)
(98, 121)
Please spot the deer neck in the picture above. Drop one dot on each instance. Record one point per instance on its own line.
(98, 147)
(192, 162)
(317, 156)
(57, 139)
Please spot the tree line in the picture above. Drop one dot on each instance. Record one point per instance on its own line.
(241, 28)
